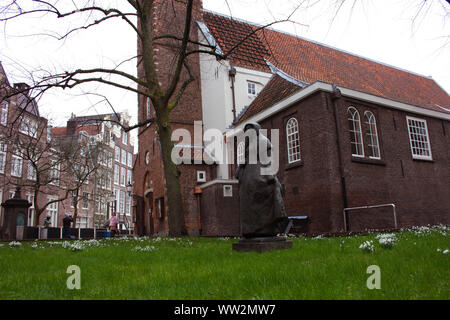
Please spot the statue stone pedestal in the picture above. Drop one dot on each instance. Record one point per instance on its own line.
(262, 244)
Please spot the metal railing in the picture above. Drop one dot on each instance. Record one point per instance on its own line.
(369, 207)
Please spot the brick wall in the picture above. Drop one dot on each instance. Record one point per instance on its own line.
(313, 187)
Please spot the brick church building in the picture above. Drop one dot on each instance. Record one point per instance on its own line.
(353, 133)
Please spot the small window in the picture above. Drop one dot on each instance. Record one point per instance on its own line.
(130, 159)
(124, 138)
(124, 157)
(419, 139)
(85, 201)
(117, 153)
(4, 113)
(123, 176)
(31, 171)
(16, 164)
(356, 139)
(251, 88)
(372, 134)
(227, 190)
(2, 156)
(116, 174)
(241, 153)
(293, 140)
(201, 176)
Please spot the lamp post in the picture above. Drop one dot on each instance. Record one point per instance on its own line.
(129, 190)
(111, 199)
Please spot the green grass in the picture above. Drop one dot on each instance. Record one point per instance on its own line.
(207, 268)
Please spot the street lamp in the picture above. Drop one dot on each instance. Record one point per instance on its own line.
(111, 199)
(129, 190)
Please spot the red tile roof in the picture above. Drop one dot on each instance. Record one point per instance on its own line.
(309, 61)
(275, 90)
(58, 132)
(89, 129)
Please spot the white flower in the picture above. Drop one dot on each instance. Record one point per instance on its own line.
(387, 240)
(15, 244)
(367, 246)
(445, 251)
(144, 249)
(438, 250)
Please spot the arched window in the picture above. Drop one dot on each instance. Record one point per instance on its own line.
(241, 153)
(372, 134)
(293, 140)
(356, 139)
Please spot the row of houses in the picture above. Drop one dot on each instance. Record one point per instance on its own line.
(83, 168)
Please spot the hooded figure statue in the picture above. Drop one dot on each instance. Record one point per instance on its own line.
(262, 212)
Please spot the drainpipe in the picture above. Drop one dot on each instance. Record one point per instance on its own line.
(232, 75)
(198, 194)
(334, 97)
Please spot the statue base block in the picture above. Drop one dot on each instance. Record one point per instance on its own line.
(262, 244)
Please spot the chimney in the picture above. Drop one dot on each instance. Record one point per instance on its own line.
(22, 87)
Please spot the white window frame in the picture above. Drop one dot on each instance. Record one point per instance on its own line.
(28, 126)
(130, 159)
(122, 197)
(372, 133)
(357, 134)
(293, 141)
(117, 153)
(4, 113)
(110, 159)
(124, 138)
(426, 145)
(16, 165)
(85, 200)
(251, 89)
(31, 171)
(116, 174)
(123, 176)
(3, 149)
(124, 157)
(129, 176)
(53, 210)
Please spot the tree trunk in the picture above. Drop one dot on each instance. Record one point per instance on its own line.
(177, 226)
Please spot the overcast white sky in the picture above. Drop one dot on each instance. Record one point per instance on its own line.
(383, 30)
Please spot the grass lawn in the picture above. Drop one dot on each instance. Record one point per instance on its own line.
(206, 268)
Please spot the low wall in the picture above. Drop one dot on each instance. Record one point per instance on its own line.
(220, 208)
(40, 233)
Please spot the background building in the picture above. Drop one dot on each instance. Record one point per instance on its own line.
(111, 151)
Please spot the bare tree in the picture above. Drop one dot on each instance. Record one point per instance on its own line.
(164, 90)
(45, 166)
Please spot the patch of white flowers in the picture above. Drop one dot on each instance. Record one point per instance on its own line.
(367, 246)
(13, 244)
(144, 249)
(444, 252)
(387, 240)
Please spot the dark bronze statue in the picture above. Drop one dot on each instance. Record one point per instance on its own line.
(261, 204)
